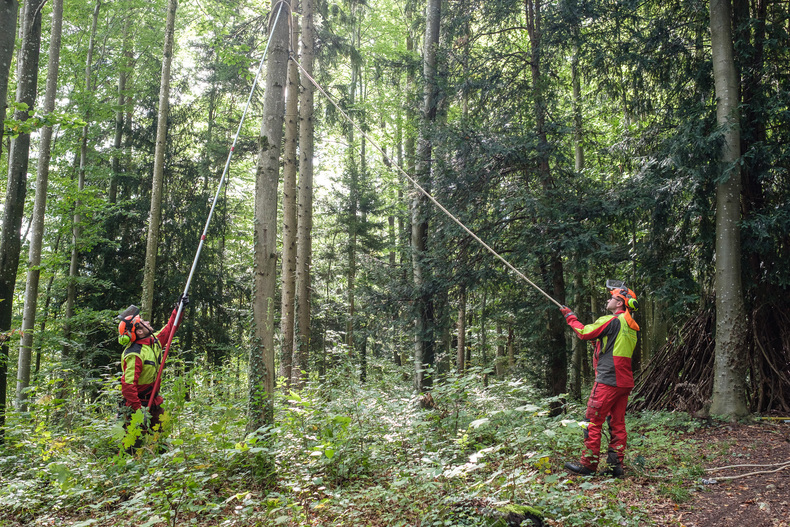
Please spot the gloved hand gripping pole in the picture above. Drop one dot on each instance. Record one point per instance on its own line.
(213, 206)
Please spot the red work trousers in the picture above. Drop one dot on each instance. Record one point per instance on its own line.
(605, 401)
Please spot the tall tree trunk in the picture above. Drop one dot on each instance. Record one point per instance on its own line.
(578, 346)
(500, 361)
(483, 335)
(578, 147)
(729, 381)
(557, 355)
(39, 209)
(304, 249)
(76, 229)
(9, 10)
(155, 216)
(409, 147)
(266, 181)
(460, 355)
(424, 349)
(287, 305)
(511, 347)
(469, 322)
(18, 158)
(353, 190)
(126, 64)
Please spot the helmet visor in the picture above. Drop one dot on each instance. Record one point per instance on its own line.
(129, 313)
(615, 284)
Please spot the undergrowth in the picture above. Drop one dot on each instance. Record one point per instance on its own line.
(339, 453)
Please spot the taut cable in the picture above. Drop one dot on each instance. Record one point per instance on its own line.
(420, 188)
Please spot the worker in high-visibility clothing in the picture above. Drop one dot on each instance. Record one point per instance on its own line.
(615, 339)
(140, 362)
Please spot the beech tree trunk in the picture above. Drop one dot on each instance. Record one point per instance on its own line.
(39, 209)
(290, 163)
(155, 216)
(16, 189)
(304, 249)
(266, 183)
(729, 381)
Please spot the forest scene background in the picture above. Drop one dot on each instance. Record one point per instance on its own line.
(409, 375)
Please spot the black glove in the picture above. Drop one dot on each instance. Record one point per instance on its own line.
(184, 299)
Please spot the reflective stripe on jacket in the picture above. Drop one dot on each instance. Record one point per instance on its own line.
(613, 350)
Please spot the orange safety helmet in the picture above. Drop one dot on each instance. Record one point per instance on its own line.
(618, 289)
(129, 320)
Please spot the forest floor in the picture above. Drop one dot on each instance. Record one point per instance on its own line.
(761, 500)
(377, 459)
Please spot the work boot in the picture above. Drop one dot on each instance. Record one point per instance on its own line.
(614, 467)
(578, 468)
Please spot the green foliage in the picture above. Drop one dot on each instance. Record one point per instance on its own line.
(339, 451)
(14, 127)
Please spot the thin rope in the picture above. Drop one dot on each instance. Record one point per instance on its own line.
(279, 4)
(787, 462)
(420, 188)
(730, 478)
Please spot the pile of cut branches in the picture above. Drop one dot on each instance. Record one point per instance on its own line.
(680, 376)
(769, 359)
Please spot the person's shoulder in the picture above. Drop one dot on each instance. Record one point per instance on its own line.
(134, 349)
(604, 319)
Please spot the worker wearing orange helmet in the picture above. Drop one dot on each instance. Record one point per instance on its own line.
(140, 362)
(615, 338)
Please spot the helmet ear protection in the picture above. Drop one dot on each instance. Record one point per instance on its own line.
(627, 296)
(619, 290)
(129, 321)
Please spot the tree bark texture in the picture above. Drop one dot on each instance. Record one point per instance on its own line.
(124, 71)
(511, 347)
(500, 362)
(424, 345)
(304, 249)
(460, 356)
(557, 355)
(9, 10)
(155, 216)
(578, 345)
(729, 382)
(16, 189)
(266, 183)
(290, 164)
(483, 334)
(39, 209)
(76, 229)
